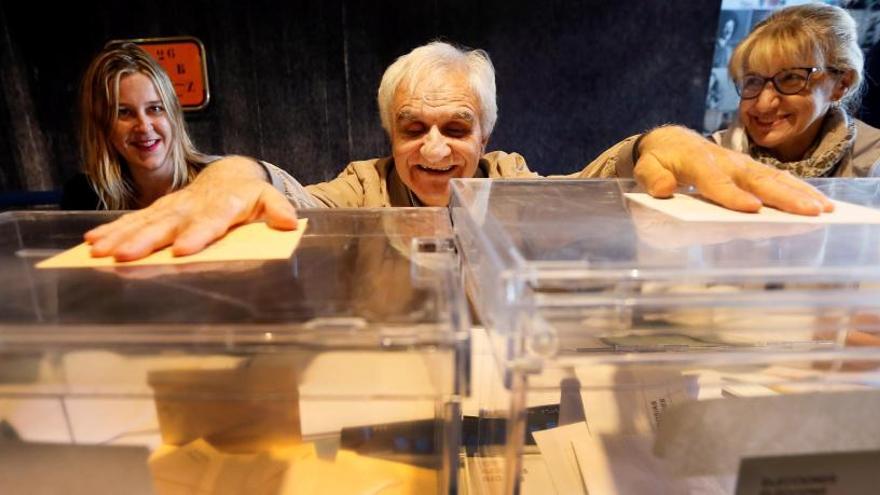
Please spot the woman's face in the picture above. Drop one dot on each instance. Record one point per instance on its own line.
(142, 132)
(787, 124)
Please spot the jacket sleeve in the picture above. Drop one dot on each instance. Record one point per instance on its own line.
(505, 165)
(866, 151)
(615, 162)
(290, 187)
(345, 191)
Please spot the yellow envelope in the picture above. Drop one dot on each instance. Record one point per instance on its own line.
(354, 474)
(198, 468)
(253, 241)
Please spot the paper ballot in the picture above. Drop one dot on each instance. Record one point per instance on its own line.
(558, 448)
(581, 463)
(611, 452)
(695, 209)
(253, 241)
(199, 468)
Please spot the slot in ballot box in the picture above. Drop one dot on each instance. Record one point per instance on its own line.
(670, 348)
(338, 370)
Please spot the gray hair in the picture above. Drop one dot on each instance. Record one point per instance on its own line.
(435, 56)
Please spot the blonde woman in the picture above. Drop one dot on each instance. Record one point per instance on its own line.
(798, 73)
(133, 138)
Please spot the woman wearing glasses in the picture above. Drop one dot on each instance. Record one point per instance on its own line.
(798, 73)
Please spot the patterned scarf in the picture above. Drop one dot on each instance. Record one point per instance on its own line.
(831, 150)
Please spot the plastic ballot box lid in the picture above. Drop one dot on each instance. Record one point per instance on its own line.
(358, 278)
(570, 267)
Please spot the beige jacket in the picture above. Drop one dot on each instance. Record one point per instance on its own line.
(374, 183)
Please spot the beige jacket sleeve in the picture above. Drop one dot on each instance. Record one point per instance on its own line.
(503, 165)
(362, 184)
(615, 162)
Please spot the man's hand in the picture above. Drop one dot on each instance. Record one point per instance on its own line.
(228, 192)
(674, 156)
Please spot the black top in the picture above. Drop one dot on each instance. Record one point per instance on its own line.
(79, 195)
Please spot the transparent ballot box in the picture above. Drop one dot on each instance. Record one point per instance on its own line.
(640, 349)
(334, 371)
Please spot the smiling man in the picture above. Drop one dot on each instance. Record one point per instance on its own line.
(438, 106)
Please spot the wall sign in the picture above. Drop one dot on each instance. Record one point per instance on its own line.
(183, 58)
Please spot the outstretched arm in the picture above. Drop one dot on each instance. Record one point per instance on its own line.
(230, 191)
(674, 156)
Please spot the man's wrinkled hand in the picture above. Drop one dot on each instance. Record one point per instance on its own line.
(672, 156)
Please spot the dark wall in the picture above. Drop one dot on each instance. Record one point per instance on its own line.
(294, 82)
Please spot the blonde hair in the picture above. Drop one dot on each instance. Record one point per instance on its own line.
(425, 61)
(823, 35)
(99, 99)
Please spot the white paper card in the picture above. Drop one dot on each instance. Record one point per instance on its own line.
(624, 464)
(557, 445)
(604, 464)
(696, 209)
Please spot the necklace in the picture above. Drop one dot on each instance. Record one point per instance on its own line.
(412, 199)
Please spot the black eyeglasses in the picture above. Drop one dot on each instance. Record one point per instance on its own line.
(787, 82)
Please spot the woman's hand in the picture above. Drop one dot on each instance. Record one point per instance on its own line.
(227, 193)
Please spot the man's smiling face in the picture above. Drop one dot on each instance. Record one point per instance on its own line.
(436, 134)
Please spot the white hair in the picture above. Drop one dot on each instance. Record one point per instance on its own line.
(424, 61)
